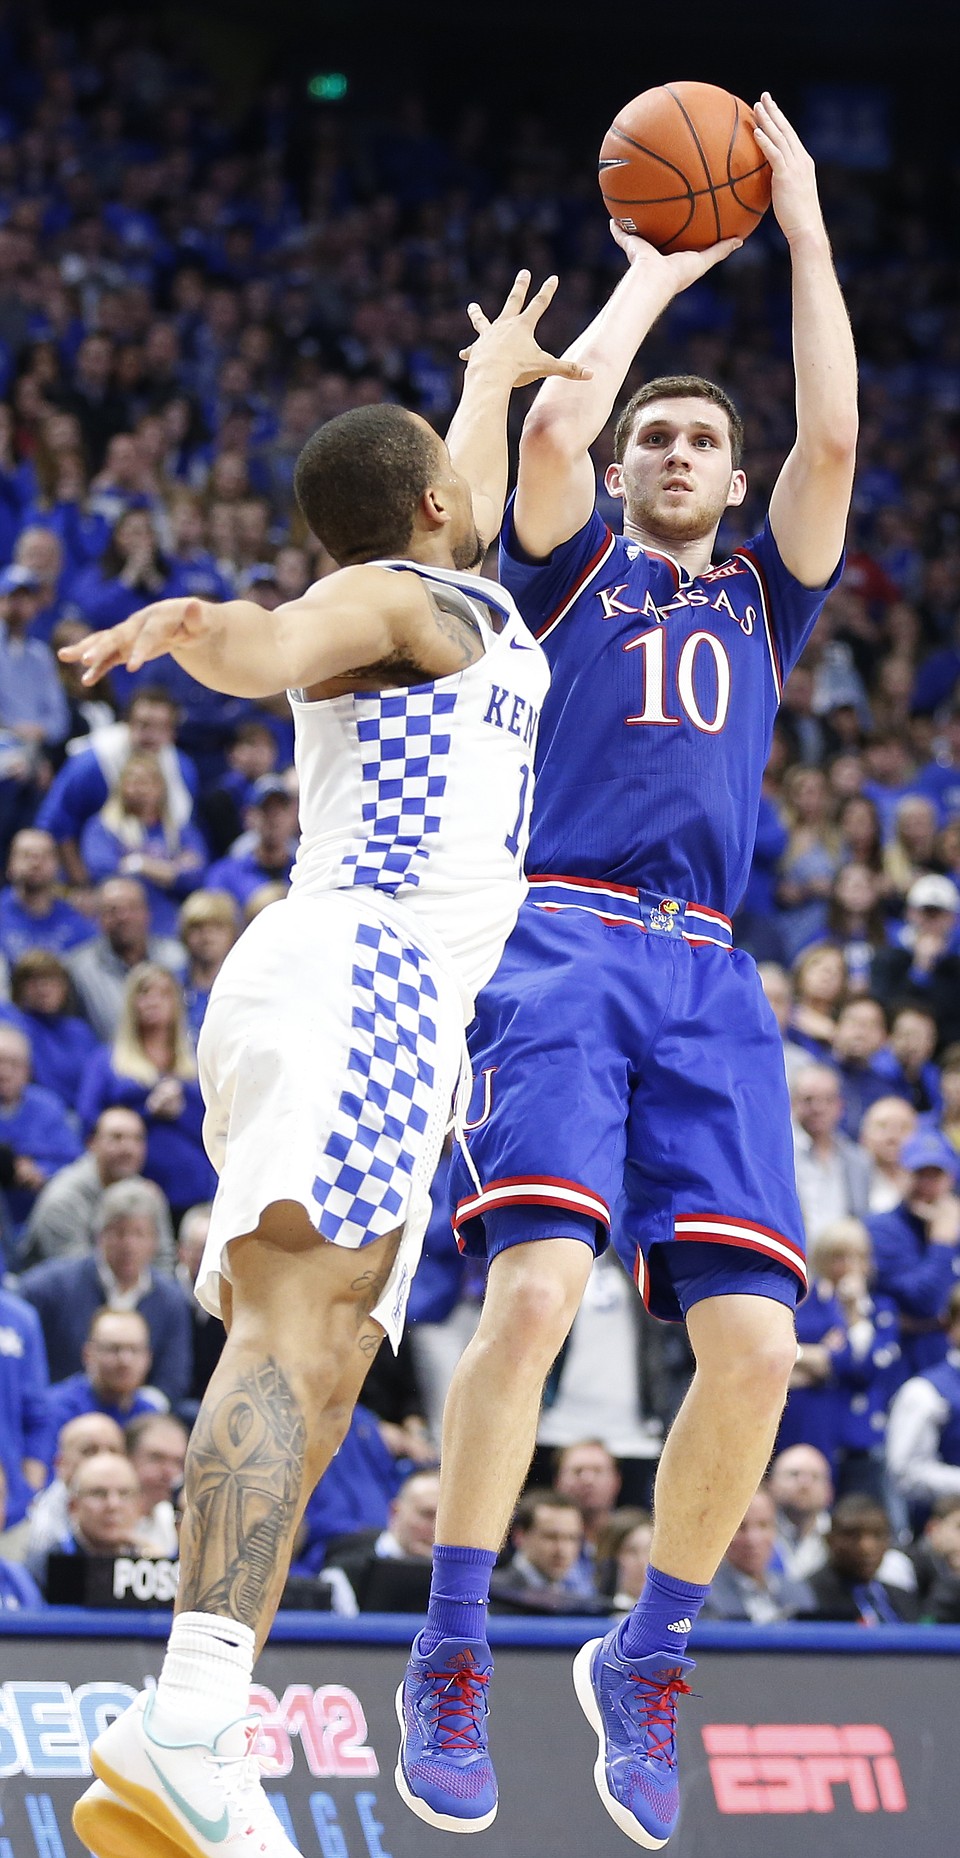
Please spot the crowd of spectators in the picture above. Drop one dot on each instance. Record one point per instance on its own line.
(186, 292)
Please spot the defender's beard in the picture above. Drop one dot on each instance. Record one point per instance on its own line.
(468, 553)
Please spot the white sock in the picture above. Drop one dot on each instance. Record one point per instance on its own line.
(206, 1675)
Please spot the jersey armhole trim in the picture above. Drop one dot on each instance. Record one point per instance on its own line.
(749, 559)
(592, 568)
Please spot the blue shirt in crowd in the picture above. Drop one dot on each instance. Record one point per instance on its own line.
(30, 690)
(79, 791)
(39, 1127)
(244, 876)
(106, 855)
(62, 1047)
(176, 1157)
(23, 1398)
(76, 1395)
(60, 929)
(918, 1277)
(355, 1492)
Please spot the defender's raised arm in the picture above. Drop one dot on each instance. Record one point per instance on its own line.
(446, 502)
(505, 355)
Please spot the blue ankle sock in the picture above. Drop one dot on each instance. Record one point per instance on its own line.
(663, 1617)
(459, 1591)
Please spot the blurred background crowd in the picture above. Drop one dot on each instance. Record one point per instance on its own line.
(187, 290)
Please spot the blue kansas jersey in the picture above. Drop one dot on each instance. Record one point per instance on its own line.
(657, 726)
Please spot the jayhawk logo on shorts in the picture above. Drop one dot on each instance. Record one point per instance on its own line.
(664, 918)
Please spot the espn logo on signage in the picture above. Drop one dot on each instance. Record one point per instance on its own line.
(794, 1767)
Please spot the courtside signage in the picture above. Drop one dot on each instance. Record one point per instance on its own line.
(803, 1767)
(46, 1729)
(883, 1765)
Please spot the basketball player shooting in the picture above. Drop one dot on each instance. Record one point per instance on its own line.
(624, 1055)
(335, 1031)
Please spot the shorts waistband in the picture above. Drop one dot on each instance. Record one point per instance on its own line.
(649, 910)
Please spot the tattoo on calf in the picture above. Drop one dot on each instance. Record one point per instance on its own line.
(244, 1481)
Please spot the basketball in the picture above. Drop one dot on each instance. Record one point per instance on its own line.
(680, 166)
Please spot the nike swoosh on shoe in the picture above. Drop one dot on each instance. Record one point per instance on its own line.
(215, 1830)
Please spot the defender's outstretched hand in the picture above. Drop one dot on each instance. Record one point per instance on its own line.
(511, 340)
(149, 633)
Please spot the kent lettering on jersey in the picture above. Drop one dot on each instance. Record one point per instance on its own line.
(517, 715)
(651, 757)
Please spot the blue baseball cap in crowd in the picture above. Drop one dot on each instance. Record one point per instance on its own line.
(928, 1149)
(262, 574)
(15, 580)
(268, 786)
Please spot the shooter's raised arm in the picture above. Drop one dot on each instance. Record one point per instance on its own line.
(557, 488)
(811, 499)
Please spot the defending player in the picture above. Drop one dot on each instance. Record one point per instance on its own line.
(335, 1030)
(624, 1055)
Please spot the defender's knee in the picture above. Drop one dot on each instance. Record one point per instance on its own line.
(307, 1369)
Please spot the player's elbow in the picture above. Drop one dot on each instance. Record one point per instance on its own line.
(841, 441)
(550, 434)
(834, 447)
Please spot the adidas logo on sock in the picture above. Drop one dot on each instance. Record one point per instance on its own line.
(680, 1625)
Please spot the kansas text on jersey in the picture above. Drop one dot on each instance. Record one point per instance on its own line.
(657, 726)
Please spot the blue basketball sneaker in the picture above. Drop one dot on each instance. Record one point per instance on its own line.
(632, 1705)
(444, 1772)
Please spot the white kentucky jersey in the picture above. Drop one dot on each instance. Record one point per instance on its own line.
(423, 794)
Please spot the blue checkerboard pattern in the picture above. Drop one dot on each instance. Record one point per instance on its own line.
(404, 740)
(365, 1172)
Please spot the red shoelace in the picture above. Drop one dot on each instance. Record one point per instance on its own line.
(658, 1705)
(459, 1701)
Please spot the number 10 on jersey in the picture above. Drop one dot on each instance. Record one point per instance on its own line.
(658, 703)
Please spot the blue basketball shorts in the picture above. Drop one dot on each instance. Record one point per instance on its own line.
(629, 1082)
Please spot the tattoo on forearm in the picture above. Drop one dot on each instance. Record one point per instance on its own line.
(244, 1481)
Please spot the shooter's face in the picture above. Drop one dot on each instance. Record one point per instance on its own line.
(677, 475)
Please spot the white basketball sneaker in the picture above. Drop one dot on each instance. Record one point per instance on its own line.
(111, 1829)
(203, 1798)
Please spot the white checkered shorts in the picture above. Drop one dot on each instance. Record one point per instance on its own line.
(369, 1159)
(328, 1059)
